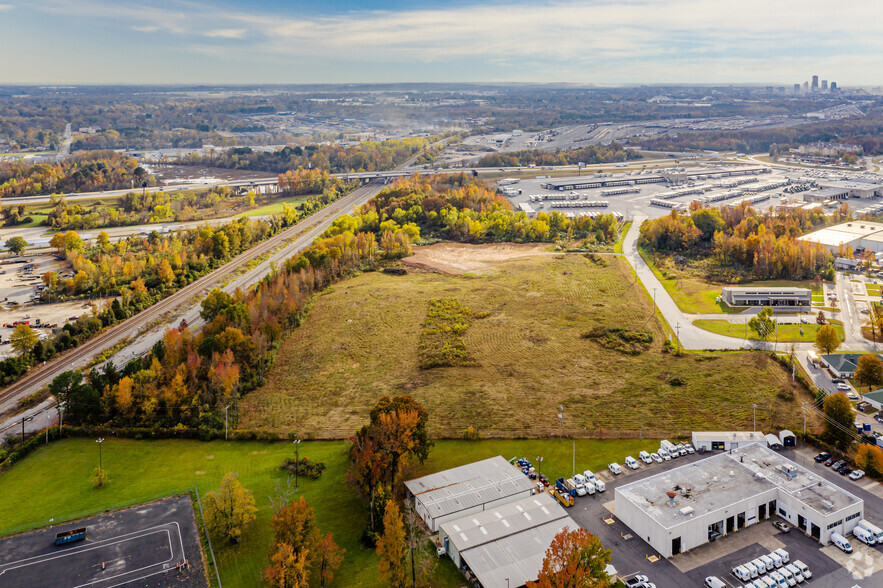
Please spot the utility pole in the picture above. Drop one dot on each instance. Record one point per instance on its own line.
(296, 462)
(573, 465)
(560, 419)
(23, 421)
(678, 333)
(755, 417)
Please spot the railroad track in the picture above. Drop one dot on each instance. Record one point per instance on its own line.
(310, 227)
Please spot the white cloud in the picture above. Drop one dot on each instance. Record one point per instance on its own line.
(4, 7)
(146, 29)
(226, 33)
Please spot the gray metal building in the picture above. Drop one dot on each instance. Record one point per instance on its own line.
(505, 545)
(467, 489)
(759, 296)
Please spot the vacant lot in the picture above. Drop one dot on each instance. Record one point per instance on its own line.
(53, 485)
(785, 333)
(528, 355)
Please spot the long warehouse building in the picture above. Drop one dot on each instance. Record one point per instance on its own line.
(683, 508)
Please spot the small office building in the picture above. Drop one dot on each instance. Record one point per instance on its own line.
(467, 489)
(842, 365)
(874, 398)
(725, 440)
(784, 297)
(505, 545)
(683, 508)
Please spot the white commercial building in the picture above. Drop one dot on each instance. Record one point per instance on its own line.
(725, 440)
(686, 507)
(467, 489)
(505, 545)
(854, 234)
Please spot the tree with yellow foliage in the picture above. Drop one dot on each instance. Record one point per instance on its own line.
(230, 509)
(392, 548)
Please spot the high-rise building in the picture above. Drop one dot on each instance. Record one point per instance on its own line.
(806, 86)
(815, 83)
(833, 86)
(797, 88)
(824, 84)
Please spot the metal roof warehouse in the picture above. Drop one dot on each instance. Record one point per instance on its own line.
(467, 489)
(505, 545)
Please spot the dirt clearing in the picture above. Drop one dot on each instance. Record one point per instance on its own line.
(456, 259)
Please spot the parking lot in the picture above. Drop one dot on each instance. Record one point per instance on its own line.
(830, 567)
(153, 545)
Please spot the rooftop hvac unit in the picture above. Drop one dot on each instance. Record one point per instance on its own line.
(827, 505)
(687, 510)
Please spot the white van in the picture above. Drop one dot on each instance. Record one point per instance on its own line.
(714, 582)
(742, 573)
(645, 457)
(768, 582)
(631, 462)
(768, 562)
(803, 569)
(669, 447)
(789, 577)
(864, 535)
(614, 468)
(601, 486)
(777, 560)
(579, 478)
(760, 565)
(664, 454)
(590, 487)
(779, 579)
(876, 531)
(841, 542)
(795, 571)
(783, 554)
(752, 569)
(589, 475)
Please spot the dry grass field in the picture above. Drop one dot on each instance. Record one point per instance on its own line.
(528, 355)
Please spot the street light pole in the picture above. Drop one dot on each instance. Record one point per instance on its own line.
(23, 421)
(296, 461)
(100, 468)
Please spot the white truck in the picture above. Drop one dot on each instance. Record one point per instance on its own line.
(874, 530)
(669, 448)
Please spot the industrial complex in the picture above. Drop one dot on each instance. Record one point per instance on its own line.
(685, 507)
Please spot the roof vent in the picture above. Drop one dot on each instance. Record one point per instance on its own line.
(671, 497)
(732, 473)
(827, 505)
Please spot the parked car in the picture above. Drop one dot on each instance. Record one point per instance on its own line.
(615, 469)
(856, 475)
(822, 457)
(636, 580)
(845, 471)
(655, 457)
(843, 387)
(852, 395)
(834, 464)
(781, 526)
(803, 569)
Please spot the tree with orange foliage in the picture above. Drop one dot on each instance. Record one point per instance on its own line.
(331, 556)
(575, 559)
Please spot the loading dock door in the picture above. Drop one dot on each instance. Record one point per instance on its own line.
(761, 512)
(801, 523)
(730, 524)
(676, 546)
(740, 521)
(718, 445)
(816, 532)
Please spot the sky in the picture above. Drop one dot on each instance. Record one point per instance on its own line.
(779, 42)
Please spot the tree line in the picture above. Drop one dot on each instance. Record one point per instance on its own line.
(333, 157)
(589, 154)
(89, 172)
(762, 244)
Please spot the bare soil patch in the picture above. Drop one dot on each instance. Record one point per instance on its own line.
(456, 259)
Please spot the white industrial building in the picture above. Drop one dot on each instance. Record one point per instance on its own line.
(683, 508)
(505, 545)
(854, 234)
(467, 489)
(725, 440)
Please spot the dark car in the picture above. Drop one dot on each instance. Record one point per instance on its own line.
(844, 471)
(781, 526)
(838, 381)
(822, 457)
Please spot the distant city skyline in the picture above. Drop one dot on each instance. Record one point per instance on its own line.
(345, 41)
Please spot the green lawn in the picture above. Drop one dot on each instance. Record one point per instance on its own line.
(53, 483)
(873, 289)
(696, 296)
(275, 207)
(787, 333)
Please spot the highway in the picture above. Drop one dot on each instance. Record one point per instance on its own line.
(187, 299)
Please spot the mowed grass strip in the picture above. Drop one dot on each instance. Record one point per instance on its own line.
(361, 342)
(53, 483)
(787, 333)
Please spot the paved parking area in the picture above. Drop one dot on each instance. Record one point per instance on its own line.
(145, 546)
(830, 567)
